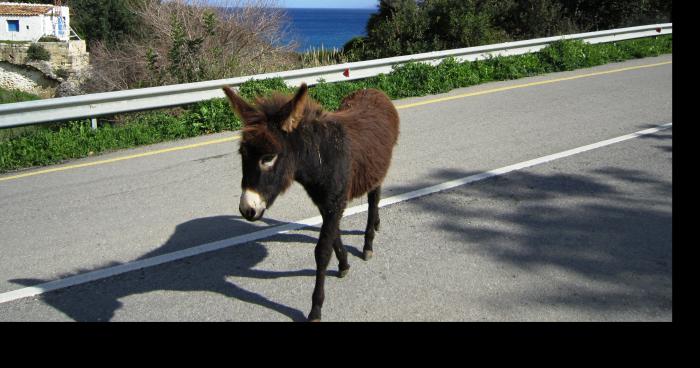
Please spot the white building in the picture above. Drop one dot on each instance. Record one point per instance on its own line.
(29, 22)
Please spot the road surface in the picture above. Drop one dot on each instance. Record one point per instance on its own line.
(583, 236)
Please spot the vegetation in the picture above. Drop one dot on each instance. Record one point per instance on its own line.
(189, 41)
(62, 73)
(47, 145)
(10, 96)
(49, 38)
(38, 52)
(321, 56)
(402, 27)
(107, 21)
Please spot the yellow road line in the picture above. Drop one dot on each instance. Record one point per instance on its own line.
(116, 159)
(524, 85)
(421, 103)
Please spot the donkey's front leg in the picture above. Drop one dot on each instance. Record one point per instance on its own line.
(324, 250)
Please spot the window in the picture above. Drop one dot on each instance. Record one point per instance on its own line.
(13, 25)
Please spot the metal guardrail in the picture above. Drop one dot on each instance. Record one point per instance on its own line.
(109, 103)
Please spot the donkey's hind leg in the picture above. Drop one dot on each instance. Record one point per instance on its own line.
(372, 221)
(342, 254)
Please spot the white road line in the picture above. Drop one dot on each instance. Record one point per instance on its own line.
(271, 231)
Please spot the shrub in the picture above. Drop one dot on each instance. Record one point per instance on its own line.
(62, 73)
(49, 38)
(189, 41)
(355, 48)
(10, 96)
(402, 27)
(38, 52)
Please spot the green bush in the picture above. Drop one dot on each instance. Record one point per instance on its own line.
(49, 38)
(263, 87)
(355, 49)
(10, 96)
(62, 73)
(402, 27)
(38, 52)
(47, 145)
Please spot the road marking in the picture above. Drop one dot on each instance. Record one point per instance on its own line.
(116, 159)
(421, 103)
(275, 230)
(532, 84)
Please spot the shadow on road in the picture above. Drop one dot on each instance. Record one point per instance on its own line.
(208, 273)
(608, 228)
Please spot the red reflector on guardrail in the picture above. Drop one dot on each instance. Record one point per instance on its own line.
(658, 30)
(346, 73)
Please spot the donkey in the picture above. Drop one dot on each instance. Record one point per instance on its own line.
(336, 156)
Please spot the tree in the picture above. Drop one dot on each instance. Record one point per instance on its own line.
(400, 27)
(409, 26)
(592, 15)
(527, 19)
(108, 21)
(465, 23)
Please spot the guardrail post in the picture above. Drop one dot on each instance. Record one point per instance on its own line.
(93, 122)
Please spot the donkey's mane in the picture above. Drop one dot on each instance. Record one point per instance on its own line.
(272, 104)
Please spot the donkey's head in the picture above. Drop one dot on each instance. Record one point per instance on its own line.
(268, 166)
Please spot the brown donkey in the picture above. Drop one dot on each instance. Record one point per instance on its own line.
(335, 156)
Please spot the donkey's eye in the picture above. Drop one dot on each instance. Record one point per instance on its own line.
(267, 161)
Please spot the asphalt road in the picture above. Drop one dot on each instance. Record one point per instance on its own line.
(585, 237)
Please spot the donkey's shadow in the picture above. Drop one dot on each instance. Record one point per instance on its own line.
(207, 272)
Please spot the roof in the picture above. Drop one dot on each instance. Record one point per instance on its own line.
(22, 9)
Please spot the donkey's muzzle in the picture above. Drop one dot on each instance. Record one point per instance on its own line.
(252, 205)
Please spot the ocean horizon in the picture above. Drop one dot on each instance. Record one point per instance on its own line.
(327, 28)
(315, 28)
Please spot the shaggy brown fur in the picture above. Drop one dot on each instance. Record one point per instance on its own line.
(372, 126)
(335, 156)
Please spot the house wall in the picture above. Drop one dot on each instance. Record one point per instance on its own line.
(49, 22)
(31, 28)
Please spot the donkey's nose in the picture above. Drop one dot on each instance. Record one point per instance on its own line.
(248, 213)
(252, 205)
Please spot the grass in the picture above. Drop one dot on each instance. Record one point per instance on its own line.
(321, 56)
(59, 142)
(10, 96)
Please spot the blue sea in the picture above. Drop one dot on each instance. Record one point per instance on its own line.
(330, 28)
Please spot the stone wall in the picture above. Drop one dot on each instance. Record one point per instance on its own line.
(71, 55)
(27, 79)
(40, 77)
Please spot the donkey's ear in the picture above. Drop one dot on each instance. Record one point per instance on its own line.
(295, 109)
(244, 110)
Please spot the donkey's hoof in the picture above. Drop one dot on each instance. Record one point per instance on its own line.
(376, 226)
(367, 255)
(314, 315)
(343, 273)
